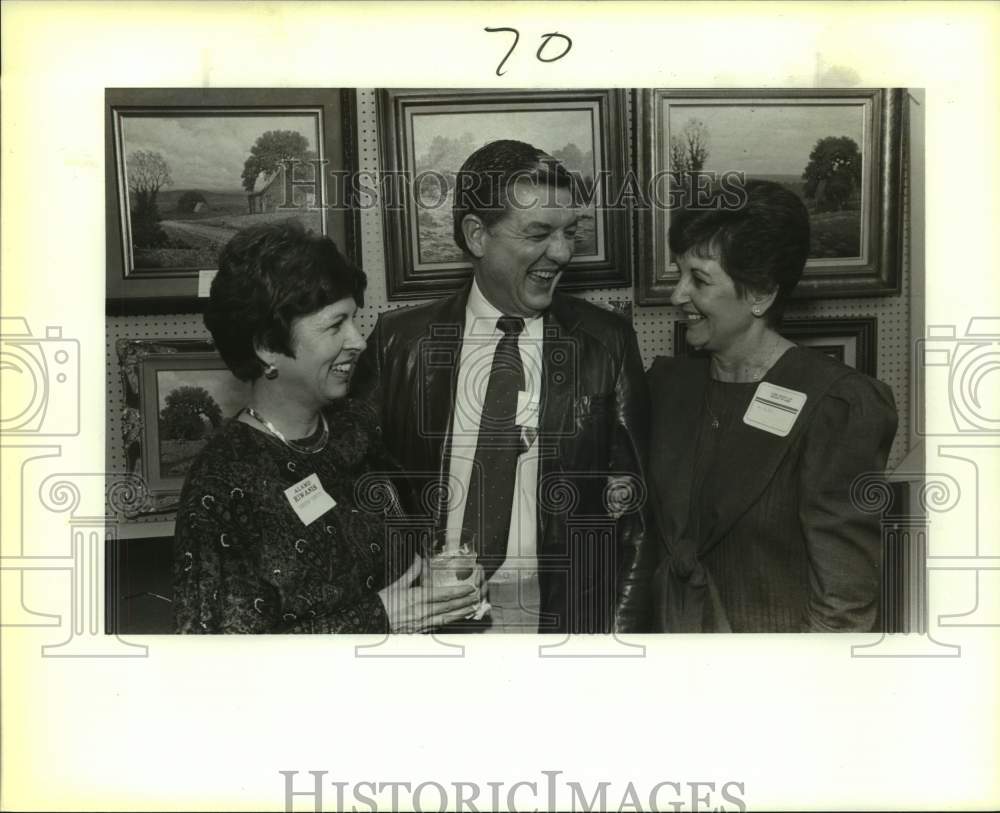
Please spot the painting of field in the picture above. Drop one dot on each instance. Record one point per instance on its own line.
(192, 404)
(191, 181)
(815, 150)
(442, 141)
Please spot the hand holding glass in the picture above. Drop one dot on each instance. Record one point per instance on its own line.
(451, 560)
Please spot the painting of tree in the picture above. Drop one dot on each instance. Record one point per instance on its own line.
(146, 173)
(689, 150)
(192, 405)
(833, 174)
(812, 151)
(269, 151)
(193, 181)
(191, 412)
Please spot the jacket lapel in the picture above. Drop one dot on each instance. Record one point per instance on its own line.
(439, 358)
(559, 384)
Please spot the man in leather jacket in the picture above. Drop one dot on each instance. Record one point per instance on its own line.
(577, 534)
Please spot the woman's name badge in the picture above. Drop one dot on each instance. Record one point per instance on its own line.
(774, 409)
(309, 499)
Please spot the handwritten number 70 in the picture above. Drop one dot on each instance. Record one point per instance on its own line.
(546, 39)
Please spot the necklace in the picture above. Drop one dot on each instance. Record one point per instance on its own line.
(294, 445)
(708, 406)
(716, 387)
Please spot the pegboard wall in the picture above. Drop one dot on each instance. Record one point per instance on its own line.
(653, 325)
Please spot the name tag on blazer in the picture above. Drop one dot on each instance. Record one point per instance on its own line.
(774, 409)
(309, 500)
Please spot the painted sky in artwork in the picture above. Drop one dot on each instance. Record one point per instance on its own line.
(549, 130)
(767, 139)
(208, 152)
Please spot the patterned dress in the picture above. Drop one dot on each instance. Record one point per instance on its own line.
(244, 562)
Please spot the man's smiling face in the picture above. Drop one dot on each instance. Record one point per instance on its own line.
(521, 257)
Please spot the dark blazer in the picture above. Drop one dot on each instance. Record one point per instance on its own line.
(593, 424)
(790, 551)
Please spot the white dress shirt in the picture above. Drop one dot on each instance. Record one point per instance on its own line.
(514, 586)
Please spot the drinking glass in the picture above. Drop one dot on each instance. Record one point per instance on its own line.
(450, 559)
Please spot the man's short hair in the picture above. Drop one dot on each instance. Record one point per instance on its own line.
(483, 184)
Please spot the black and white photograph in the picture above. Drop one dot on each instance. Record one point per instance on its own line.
(499, 406)
(548, 458)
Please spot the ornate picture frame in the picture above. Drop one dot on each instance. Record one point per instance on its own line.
(177, 391)
(841, 150)
(425, 135)
(187, 167)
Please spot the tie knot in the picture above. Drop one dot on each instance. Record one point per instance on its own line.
(511, 325)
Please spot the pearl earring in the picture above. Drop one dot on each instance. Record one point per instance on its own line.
(756, 310)
(270, 372)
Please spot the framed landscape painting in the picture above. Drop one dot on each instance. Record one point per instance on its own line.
(188, 168)
(425, 137)
(841, 151)
(177, 393)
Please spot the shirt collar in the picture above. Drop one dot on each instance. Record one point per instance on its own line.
(478, 309)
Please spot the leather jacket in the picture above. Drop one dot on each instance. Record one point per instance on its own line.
(593, 429)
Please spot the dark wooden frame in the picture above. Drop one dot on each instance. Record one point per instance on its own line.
(404, 281)
(878, 275)
(178, 292)
(139, 360)
(864, 330)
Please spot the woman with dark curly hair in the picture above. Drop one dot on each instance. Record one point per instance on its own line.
(273, 534)
(754, 449)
